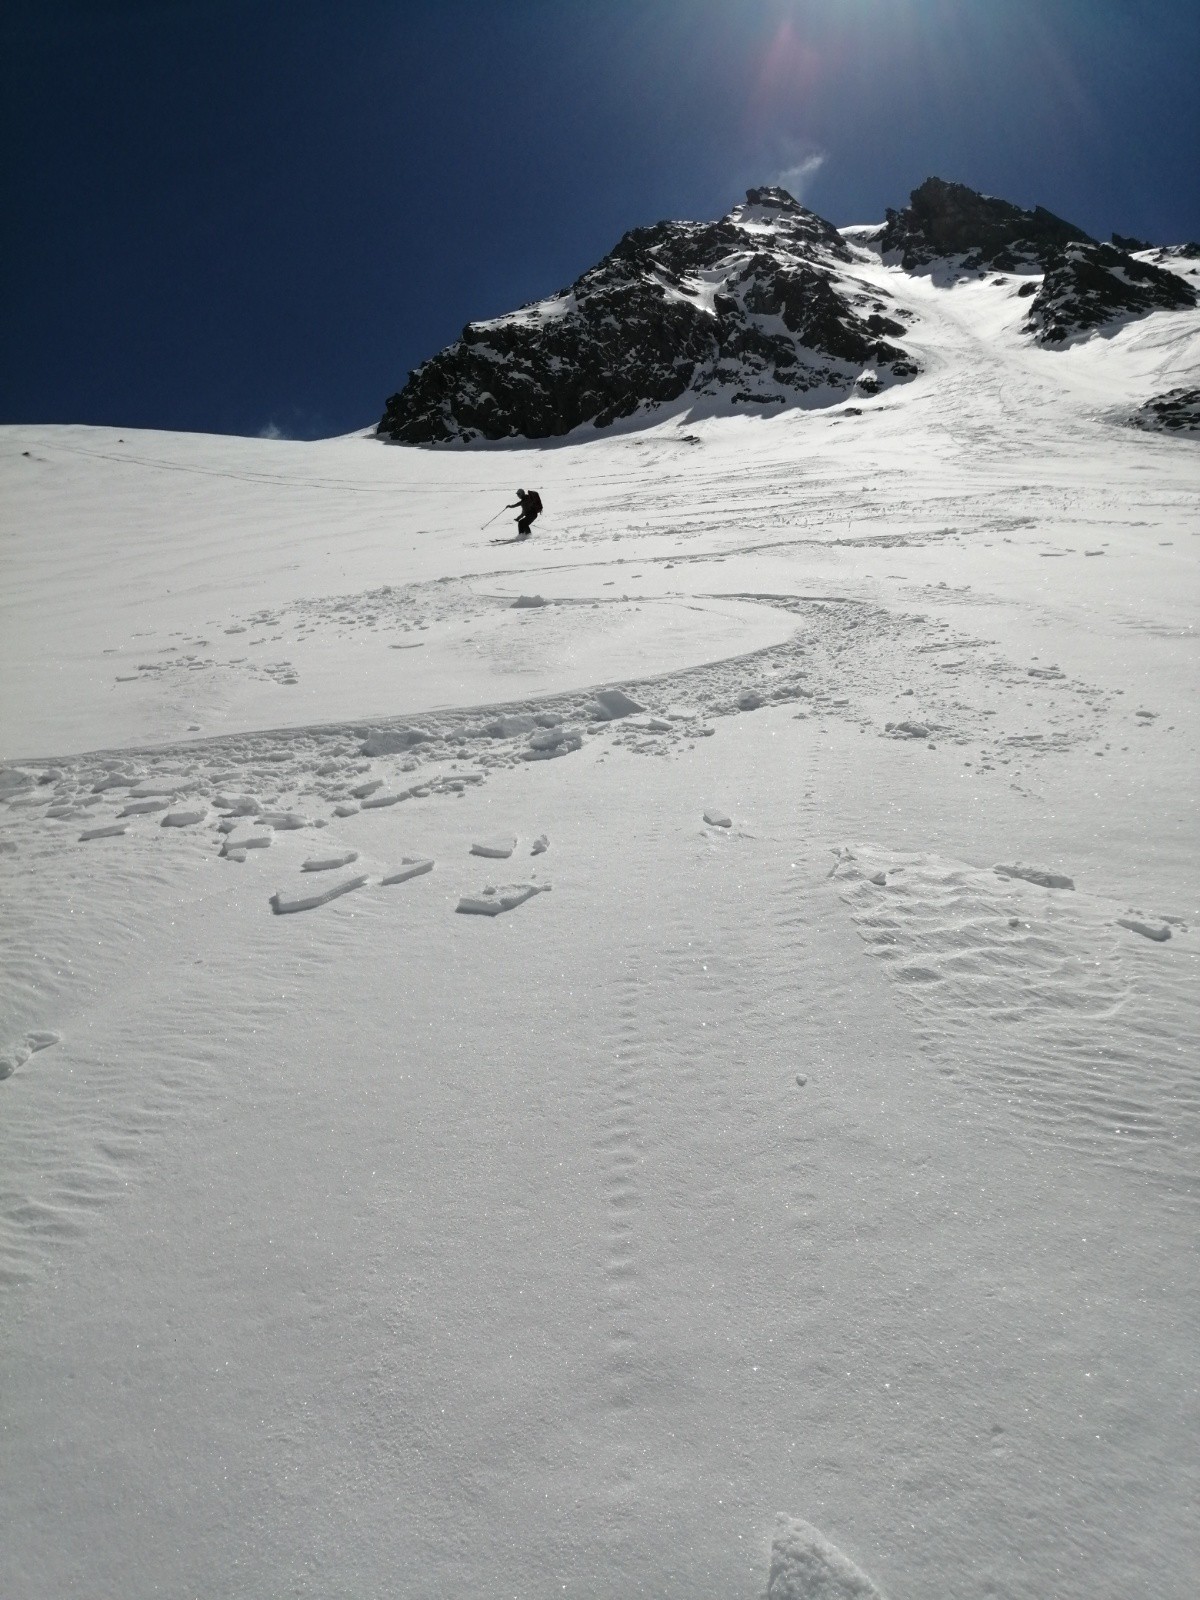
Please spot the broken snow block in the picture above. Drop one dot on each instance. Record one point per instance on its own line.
(328, 863)
(283, 902)
(284, 821)
(614, 703)
(256, 841)
(499, 847)
(496, 899)
(1160, 935)
(391, 741)
(410, 867)
(111, 830)
(1039, 875)
(183, 819)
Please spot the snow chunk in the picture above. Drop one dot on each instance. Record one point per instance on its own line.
(507, 727)
(496, 899)
(547, 742)
(499, 847)
(613, 703)
(328, 863)
(282, 903)
(165, 786)
(805, 1566)
(14, 781)
(1048, 880)
(237, 847)
(717, 818)
(238, 805)
(1160, 935)
(184, 819)
(411, 867)
(391, 741)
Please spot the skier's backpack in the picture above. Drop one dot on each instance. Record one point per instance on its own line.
(533, 502)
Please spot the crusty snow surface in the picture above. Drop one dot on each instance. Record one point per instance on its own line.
(520, 1067)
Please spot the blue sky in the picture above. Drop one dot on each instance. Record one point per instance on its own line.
(242, 215)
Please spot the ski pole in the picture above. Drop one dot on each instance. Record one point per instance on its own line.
(499, 513)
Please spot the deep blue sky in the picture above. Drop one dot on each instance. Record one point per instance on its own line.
(234, 215)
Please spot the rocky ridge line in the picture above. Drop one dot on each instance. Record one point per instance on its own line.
(762, 306)
(1085, 285)
(762, 309)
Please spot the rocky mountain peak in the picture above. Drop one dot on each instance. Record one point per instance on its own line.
(759, 308)
(1085, 285)
(948, 219)
(772, 196)
(766, 307)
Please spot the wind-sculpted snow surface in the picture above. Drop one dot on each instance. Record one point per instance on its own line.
(763, 308)
(1037, 994)
(459, 1235)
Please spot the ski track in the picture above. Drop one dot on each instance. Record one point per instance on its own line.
(619, 1154)
(839, 663)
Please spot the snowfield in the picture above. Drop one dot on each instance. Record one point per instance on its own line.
(525, 1063)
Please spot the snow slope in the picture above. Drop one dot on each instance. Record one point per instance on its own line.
(787, 1156)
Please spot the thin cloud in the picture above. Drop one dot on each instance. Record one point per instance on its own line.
(797, 177)
(272, 430)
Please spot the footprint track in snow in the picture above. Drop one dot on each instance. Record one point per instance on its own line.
(838, 665)
(618, 1155)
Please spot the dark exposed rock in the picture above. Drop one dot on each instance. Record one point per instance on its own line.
(1176, 252)
(948, 219)
(767, 306)
(1087, 286)
(762, 306)
(1176, 411)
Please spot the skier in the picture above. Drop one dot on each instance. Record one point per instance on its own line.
(530, 502)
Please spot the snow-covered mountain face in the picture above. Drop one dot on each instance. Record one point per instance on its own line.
(768, 307)
(763, 307)
(1085, 285)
